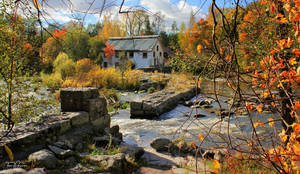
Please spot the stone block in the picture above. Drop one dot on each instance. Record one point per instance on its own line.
(96, 107)
(65, 125)
(147, 106)
(135, 105)
(75, 99)
(78, 118)
(101, 123)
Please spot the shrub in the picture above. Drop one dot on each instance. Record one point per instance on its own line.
(131, 80)
(64, 65)
(53, 81)
(151, 90)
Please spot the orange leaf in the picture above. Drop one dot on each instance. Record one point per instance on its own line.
(228, 58)
(296, 51)
(243, 36)
(262, 2)
(258, 123)
(199, 82)
(36, 4)
(221, 51)
(193, 145)
(297, 105)
(216, 164)
(199, 48)
(273, 8)
(201, 137)
(249, 106)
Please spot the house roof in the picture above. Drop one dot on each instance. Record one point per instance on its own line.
(134, 43)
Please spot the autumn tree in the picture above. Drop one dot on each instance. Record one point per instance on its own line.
(16, 102)
(111, 28)
(75, 42)
(269, 37)
(52, 47)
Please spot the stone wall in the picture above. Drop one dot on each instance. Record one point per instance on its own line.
(83, 113)
(153, 105)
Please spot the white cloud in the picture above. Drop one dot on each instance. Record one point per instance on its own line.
(63, 11)
(179, 12)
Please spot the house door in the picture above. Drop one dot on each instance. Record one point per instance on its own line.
(155, 61)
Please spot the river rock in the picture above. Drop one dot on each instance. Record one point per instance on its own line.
(199, 115)
(206, 106)
(37, 171)
(203, 102)
(44, 158)
(188, 103)
(131, 152)
(114, 131)
(225, 113)
(217, 154)
(60, 153)
(13, 171)
(161, 144)
(111, 163)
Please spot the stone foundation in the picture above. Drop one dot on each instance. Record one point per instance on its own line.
(83, 112)
(153, 105)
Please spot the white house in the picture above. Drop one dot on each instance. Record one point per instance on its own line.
(142, 51)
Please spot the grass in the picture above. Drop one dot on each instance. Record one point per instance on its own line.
(110, 151)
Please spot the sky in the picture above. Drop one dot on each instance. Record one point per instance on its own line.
(62, 11)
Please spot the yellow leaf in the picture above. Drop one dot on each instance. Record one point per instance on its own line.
(199, 83)
(9, 152)
(271, 122)
(216, 164)
(199, 48)
(259, 108)
(283, 136)
(293, 61)
(201, 137)
(36, 4)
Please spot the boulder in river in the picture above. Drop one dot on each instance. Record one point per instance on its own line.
(199, 115)
(161, 144)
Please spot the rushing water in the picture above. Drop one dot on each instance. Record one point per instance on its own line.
(179, 122)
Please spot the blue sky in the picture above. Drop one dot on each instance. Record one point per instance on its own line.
(62, 11)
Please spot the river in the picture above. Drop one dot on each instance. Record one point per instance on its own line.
(178, 123)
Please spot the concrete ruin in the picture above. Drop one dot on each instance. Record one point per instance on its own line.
(83, 113)
(153, 105)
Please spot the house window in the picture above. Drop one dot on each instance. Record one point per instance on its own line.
(153, 54)
(131, 54)
(105, 64)
(117, 54)
(144, 55)
(157, 48)
(160, 54)
(117, 64)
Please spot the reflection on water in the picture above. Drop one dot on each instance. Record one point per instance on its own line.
(179, 122)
